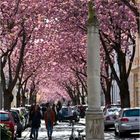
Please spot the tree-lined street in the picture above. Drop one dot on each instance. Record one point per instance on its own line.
(45, 45)
(71, 53)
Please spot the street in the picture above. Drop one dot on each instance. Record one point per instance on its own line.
(62, 131)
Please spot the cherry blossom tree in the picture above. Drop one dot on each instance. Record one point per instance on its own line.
(134, 5)
(45, 42)
(117, 31)
(21, 24)
(117, 25)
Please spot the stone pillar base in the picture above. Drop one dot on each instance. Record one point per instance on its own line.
(94, 124)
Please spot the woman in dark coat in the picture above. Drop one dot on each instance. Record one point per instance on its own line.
(31, 112)
(36, 121)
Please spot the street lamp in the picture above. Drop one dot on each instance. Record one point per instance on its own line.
(94, 115)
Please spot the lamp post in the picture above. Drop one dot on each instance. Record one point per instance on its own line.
(94, 115)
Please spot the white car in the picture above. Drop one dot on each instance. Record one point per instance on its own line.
(110, 116)
(21, 114)
(128, 121)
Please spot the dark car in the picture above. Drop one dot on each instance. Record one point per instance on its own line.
(18, 122)
(64, 114)
(82, 110)
(7, 119)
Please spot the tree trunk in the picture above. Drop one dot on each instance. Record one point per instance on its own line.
(23, 99)
(107, 98)
(123, 86)
(78, 98)
(31, 98)
(35, 95)
(8, 98)
(18, 99)
(83, 100)
(74, 100)
(107, 93)
(124, 94)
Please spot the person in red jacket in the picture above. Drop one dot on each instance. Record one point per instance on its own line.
(49, 118)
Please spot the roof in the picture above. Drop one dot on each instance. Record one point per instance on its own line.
(3, 111)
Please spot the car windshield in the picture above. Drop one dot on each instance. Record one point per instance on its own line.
(113, 110)
(14, 113)
(16, 110)
(64, 111)
(4, 117)
(131, 113)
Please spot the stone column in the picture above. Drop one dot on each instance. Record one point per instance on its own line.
(94, 115)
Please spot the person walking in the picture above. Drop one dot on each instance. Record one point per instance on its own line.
(55, 112)
(49, 118)
(43, 110)
(70, 114)
(36, 121)
(31, 112)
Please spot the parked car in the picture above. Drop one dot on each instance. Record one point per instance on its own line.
(21, 114)
(28, 107)
(128, 121)
(18, 122)
(26, 115)
(110, 116)
(64, 115)
(103, 108)
(7, 119)
(75, 110)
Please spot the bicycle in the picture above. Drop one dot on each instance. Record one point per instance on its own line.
(73, 136)
(80, 137)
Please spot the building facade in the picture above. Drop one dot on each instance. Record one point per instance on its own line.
(135, 77)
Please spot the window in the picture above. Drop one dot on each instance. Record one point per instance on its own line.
(131, 113)
(135, 77)
(4, 117)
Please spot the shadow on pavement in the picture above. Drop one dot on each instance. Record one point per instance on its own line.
(129, 136)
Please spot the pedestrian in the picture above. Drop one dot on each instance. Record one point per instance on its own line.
(55, 112)
(59, 106)
(36, 121)
(43, 110)
(70, 114)
(31, 112)
(49, 118)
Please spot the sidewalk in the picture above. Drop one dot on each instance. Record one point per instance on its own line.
(62, 131)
